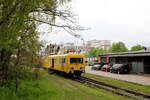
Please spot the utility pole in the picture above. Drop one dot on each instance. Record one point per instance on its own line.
(84, 46)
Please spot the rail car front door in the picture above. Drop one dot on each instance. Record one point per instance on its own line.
(52, 63)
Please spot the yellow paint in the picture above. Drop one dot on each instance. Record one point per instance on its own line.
(66, 66)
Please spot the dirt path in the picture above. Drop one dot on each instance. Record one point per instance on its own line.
(125, 77)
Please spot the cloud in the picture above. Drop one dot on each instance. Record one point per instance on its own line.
(116, 20)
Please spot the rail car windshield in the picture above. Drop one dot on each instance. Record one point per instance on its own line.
(76, 60)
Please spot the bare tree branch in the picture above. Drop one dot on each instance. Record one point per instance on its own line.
(56, 25)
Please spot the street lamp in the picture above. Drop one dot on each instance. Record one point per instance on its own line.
(77, 36)
(81, 38)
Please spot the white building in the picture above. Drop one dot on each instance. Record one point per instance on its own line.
(105, 44)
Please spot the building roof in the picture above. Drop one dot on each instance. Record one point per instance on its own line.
(127, 54)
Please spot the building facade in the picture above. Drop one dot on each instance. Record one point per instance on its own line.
(105, 44)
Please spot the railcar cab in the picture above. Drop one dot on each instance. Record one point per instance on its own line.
(76, 64)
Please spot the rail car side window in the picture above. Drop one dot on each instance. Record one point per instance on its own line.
(62, 60)
(76, 60)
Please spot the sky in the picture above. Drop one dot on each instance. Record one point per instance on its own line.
(116, 20)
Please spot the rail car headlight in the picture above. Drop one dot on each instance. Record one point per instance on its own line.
(72, 68)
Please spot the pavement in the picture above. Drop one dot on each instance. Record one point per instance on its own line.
(142, 80)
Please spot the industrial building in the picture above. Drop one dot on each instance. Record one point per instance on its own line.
(138, 61)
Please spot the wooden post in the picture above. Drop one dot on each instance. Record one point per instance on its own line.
(107, 59)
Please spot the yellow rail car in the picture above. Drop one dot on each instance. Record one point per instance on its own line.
(73, 64)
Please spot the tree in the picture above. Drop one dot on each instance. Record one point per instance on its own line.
(137, 47)
(94, 52)
(18, 36)
(118, 47)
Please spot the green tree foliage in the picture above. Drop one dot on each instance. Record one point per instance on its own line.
(19, 45)
(137, 47)
(118, 47)
(94, 52)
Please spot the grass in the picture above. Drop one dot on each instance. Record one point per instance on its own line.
(120, 83)
(54, 87)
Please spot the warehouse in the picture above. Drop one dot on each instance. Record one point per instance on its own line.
(138, 61)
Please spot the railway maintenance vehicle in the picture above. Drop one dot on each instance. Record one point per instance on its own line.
(69, 64)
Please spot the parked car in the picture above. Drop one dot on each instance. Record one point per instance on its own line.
(90, 64)
(97, 66)
(106, 68)
(120, 68)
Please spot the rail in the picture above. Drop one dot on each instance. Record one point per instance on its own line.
(115, 89)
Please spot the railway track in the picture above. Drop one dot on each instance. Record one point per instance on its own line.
(115, 89)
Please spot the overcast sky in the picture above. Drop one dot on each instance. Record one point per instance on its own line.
(115, 20)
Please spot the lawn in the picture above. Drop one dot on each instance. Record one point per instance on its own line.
(54, 87)
(120, 83)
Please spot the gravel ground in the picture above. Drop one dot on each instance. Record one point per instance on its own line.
(143, 80)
